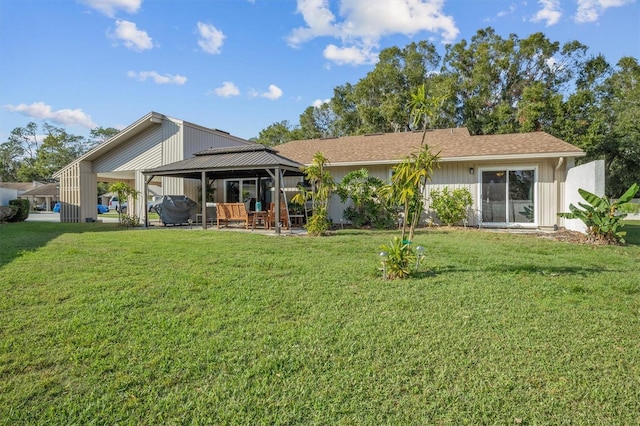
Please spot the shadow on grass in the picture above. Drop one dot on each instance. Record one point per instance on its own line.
(515, 269)
(632, 227)
(17, 238)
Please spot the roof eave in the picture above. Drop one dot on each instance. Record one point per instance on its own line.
(539, 155)
(151, 119)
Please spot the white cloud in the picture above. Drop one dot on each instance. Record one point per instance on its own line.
(227, 89)
(319, 102)
(132, 37)
(362, 23)
(350, 55)
(211, 39)
(590, 10)
(42, 111)
(109, 7)
(550, 12)
(157, 78)
(273, 93)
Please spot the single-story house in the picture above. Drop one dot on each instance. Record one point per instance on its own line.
(47, 194)
(152, 141)
(516, 180)
(14, 190)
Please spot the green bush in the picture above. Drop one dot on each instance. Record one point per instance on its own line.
(629, 208)
(601, 215)
(23, 210)
(451, 206)
(7, 213)
(399, 259)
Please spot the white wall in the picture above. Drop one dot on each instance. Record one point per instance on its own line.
(6, 195)
(589, 177)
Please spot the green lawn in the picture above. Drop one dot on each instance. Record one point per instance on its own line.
(176, 326)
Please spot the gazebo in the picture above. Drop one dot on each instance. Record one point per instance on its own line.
(237, 162)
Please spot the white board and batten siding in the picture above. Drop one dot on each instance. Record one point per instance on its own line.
(549, 184)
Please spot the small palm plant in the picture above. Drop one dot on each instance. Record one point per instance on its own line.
(601, 216)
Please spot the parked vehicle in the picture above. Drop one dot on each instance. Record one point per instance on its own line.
(101, 208)
(113, 203)
(40, 207)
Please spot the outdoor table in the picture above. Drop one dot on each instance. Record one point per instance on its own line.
(261, 216)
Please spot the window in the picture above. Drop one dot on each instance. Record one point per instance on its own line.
(508, 196)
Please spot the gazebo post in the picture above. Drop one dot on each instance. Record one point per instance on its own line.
(276, 200)
(204, 199)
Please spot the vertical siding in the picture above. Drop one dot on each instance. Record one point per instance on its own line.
(141, 152)
(198, 139)
(78, 193)
(70, 194)
(455, 175)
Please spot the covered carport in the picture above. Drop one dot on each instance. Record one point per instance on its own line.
(238, 162)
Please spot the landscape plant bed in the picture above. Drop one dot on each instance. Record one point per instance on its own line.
(104, 325)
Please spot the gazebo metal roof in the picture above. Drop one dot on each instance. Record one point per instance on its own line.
(230, 162)
(248, 161)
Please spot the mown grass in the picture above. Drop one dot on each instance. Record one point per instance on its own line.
(104, 325)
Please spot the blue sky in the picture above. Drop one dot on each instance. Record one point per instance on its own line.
(241, 65)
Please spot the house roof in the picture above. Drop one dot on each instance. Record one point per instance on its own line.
(50, 189)
(20, 186)
(452, 144)
(151, 119)
(239, 161)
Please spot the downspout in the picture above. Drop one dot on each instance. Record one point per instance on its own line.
(558, 192)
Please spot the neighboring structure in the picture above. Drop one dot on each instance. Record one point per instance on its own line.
(13, 190)
(517, 180)
(152, 141)
(48, 194)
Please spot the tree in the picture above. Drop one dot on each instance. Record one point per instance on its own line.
(123, 191)
(100, 135)
(276, 134)
(370, 207)
(57, 150)
(11, 153)
(494, 74)
(321, 186)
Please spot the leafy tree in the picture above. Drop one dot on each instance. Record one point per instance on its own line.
(100, 135)
(276, 134)
(493, 76)
(57, 150)
(11, 153)
(369, 208)
(123, 191)
(321, 186)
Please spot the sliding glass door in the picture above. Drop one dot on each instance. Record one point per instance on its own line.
(508, 196)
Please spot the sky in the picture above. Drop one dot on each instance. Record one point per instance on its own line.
(242, 65)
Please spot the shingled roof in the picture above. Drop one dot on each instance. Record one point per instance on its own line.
(452, 144)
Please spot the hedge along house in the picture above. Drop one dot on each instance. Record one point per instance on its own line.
(516, 180)
(152, 141)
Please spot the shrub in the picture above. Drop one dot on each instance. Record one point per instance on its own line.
(7, 213)
(451, 206)
(601, 215)
(318, 224)
(399, 259)
(22, 213)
